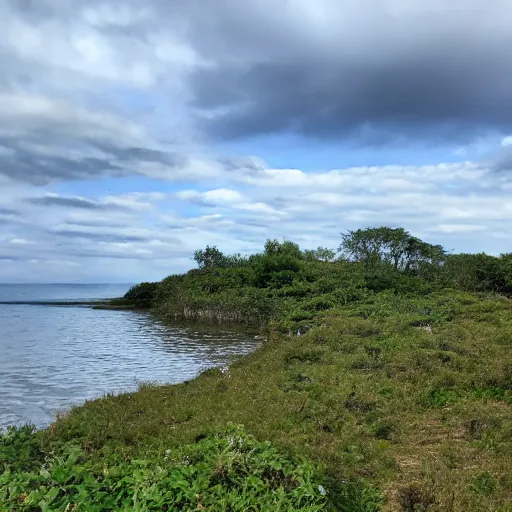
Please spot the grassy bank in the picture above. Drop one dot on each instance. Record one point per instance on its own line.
(394, 382)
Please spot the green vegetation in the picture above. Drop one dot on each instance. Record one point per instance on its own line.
(227, 471)
(389, 369)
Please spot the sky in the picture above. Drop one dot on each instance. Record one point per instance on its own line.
(133, 133)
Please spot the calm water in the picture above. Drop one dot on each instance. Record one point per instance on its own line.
(52, 357)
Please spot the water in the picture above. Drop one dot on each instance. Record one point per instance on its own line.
(52, 357)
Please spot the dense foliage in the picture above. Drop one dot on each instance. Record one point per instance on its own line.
(228, 471)
(142, 294)
(391, 246)
(292, 286)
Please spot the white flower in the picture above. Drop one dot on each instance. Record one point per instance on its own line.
(322, 490)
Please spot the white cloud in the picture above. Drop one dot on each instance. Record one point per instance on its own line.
(223, 195)
(506, 141)
(20, 241)
(457, 228)
(449, 204)
(23, 112)
(116, 14)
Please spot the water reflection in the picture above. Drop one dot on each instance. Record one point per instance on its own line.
(54, 357)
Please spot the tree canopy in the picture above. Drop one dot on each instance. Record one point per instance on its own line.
(393, 246)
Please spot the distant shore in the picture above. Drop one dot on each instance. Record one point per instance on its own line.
(111, 304)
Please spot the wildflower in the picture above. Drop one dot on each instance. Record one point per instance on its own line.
(322, 490)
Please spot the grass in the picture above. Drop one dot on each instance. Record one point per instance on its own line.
(410, 395)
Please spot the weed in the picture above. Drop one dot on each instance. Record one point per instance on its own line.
(414, 498)
(484, 483)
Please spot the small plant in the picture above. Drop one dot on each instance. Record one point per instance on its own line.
(413, 498)
(384, 430)
(484, 483)
(441, 397)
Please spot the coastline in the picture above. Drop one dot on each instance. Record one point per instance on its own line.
(109, 304)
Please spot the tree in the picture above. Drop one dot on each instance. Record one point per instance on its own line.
(211, 257)
(286, 248)
(478, 272)
(319, 254)
(392, 246)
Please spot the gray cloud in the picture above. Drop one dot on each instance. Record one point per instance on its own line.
(103, 223)
(392, 71)
(98, 237)
(8, 211)
(140, 154)
(34, 164)
(501, 162)
(379, 71)
(123, 98)
(106, 254)
(251, 165)
(98, 88)
(70, 202)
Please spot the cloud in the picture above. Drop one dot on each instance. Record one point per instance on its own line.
(8, 212)
(7, 258)
(20, 241)
(96, 237)
(501, 161)
(211, 197)
(331, 100)
(444, 203)
(108, 88)
(457, 228)
(390, 71)
(71, 202)
(134, 201)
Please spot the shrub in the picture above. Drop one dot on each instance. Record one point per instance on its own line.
(142, 293)
(20, 449)
(226, 471)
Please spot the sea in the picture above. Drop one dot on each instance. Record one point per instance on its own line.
(55, 356)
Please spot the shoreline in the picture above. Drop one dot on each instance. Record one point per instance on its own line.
(52, 303)
(106, 304)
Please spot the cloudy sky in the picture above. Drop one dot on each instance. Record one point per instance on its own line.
(132, 133)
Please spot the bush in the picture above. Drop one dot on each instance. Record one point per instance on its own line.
(227, 471)
(20, 449)
(142, 293)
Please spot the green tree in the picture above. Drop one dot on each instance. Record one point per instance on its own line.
(392, 246)
(210, 257)
(478, 272)
(286, 248)
(319, 254)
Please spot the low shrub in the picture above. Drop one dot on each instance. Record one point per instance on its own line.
(143, 293)
(226, 471)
